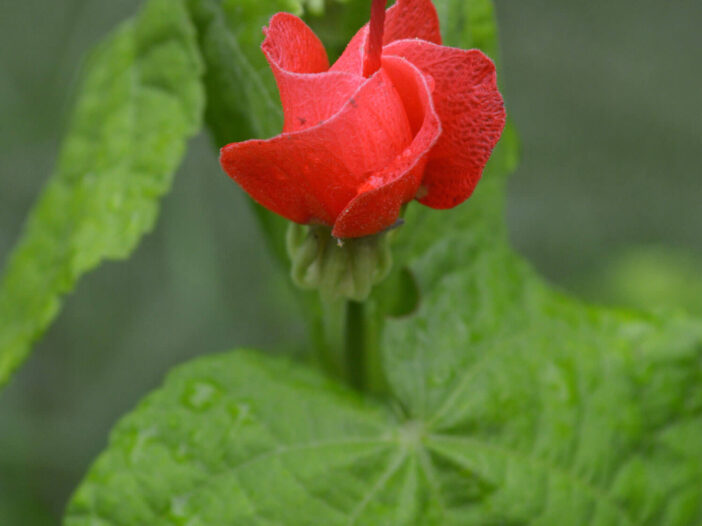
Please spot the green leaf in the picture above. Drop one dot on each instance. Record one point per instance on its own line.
(470, 23)
(242, 98)
(240, 439)
(537, 408)
(509, 404)
(520, 408)
(140, 100)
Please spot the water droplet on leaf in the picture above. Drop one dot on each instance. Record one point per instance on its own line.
(200, 395)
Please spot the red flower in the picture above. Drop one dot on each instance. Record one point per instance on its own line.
(397, 117)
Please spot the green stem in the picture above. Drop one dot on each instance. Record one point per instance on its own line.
(363, 363)
(330, 336)
(355, 348)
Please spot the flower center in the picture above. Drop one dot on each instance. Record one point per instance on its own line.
(374, 42)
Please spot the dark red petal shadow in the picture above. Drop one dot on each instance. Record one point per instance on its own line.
(377, 205)
(472, 117)
(405, 19)
(308, 93)
(309, 176)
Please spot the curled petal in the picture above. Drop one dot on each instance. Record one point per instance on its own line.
(309, 176)
(406, 19)
(308, 93)
(412, 19)
(292, 46)
(377, 205)
(472, 116)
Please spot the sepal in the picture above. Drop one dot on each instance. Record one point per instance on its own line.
(347, 268)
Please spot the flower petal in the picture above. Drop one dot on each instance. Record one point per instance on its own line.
(308, 93)
(405, 19)
(377, 205)
(472, 116)
(293, 46)
(309, 176)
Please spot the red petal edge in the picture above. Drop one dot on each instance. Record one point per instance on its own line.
(472, 116)
(377, 205)
(292, 46)
(309, 176)
(406, 19)
(308, 93)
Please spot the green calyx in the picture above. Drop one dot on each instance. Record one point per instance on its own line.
(338, 268)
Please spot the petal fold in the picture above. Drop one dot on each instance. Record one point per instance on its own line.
(406, 19)
(308, 93)
(292, 46)
(472, 116)
(309, 176)
(379, 200)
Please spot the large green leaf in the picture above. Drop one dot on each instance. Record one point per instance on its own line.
(537, 409)
(518, 408)
(140, 100)
(509, 404)
(239, 439)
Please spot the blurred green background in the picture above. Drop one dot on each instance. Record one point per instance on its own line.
(607, 203)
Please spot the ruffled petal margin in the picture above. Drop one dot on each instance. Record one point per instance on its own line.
(292, 46)
(308, 93)
(472, 116)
